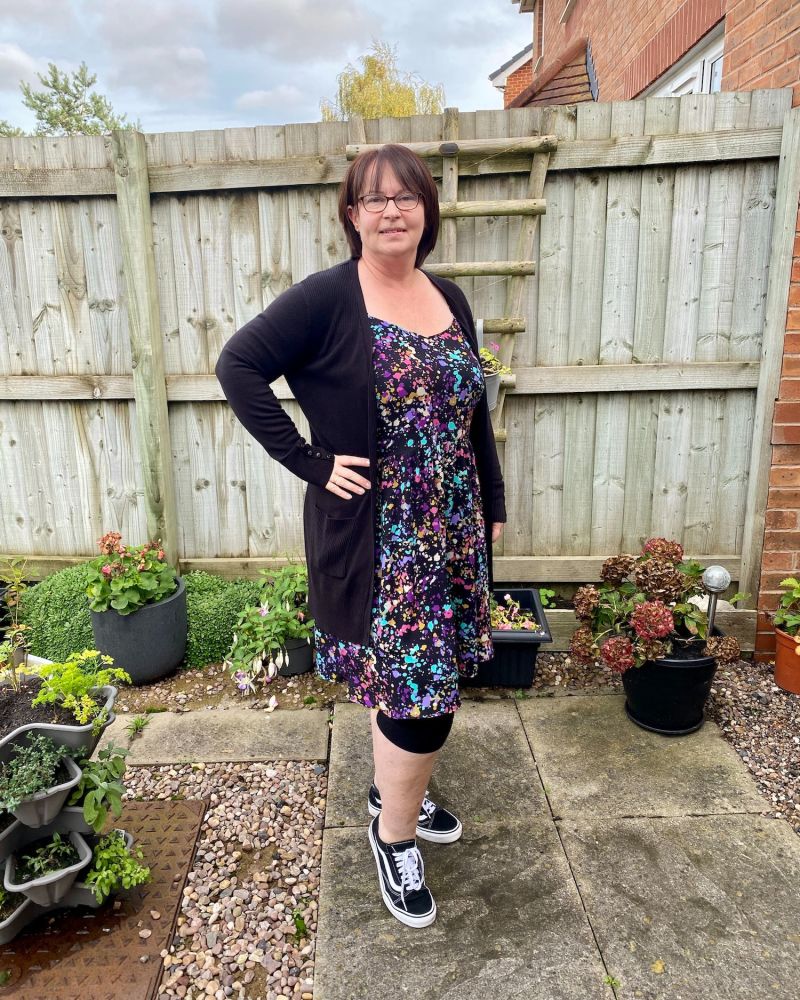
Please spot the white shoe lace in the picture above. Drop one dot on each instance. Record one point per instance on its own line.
(429, 807)
(411, 870)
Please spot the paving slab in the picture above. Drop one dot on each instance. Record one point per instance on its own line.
(692, 907)
(510, 922)
(485, 769)
(220, 736)
(593, 759)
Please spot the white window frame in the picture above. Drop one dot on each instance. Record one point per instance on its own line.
(693, 73)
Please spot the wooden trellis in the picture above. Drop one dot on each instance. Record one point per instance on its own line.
(503, 327)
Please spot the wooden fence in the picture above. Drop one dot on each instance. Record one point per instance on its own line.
(644, 380)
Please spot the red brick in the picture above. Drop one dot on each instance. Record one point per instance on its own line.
(778, 561)
(780, 541)
(794, 294)
(771, 582)
(765, 641)
(784, 499)
(782, 519)
(791, 365)
(763, 621)
(789, 388)
(791, 343)
(768, 600)
(793, 318)
(786, 434)
(785, 412)
(785, 454)
(763, 658)
(781, 476)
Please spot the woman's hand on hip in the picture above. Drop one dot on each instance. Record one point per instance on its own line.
(343, 479)
(497, 529)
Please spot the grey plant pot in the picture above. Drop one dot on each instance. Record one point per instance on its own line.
(43, 807)
(17, 834)
(20, 918)
(151, 642)
(51, 888)
(75, 737)
(492, 388)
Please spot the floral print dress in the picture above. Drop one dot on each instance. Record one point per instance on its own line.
(430, 619)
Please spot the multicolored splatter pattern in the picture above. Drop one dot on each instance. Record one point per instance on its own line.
(430, 608)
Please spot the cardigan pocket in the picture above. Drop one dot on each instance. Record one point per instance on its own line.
(331, 535)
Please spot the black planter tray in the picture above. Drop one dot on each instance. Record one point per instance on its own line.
(515, 651)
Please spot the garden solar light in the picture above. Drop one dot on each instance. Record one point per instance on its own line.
(716, 579)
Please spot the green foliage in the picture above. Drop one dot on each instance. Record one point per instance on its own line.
(13, 650)
(212, 606)
(52, 856)
(787, 617)
(490, 363)
(68, 106)
(511, 616)
(57, 613)
(545, 595)
(137, 726)
(126, 578)
(379, 90)
(100, 787)
(262, 632)
(71, 683)
(114, 866)
(32, 769)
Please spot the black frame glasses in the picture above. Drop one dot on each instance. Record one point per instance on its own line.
(384, 201)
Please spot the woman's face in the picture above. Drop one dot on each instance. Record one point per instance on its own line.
(391, 232)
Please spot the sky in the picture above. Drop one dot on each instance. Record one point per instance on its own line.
(179, 65)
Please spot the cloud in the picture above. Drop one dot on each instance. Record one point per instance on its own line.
(38, 13)
(295, 30)
(169, 72)
(125, 24)
(16, 64)
(284, 95)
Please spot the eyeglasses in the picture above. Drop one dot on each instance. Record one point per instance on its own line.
(406, 201)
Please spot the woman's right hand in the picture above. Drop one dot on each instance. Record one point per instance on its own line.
(343, 479)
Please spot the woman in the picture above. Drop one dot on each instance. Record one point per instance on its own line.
(404, 488)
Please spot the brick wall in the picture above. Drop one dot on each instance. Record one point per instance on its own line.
(517, 82)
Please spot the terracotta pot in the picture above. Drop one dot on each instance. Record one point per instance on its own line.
(787, 661)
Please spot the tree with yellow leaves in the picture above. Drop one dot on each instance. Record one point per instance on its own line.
(379, 90)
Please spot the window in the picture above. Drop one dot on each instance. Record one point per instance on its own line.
(699, 71)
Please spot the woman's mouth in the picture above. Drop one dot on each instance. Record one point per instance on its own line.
(391, 232)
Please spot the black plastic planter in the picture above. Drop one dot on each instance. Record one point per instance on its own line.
(300, 654)
(151, 642)
(668, 695)
(515, 652)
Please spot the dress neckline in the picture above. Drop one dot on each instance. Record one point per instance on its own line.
(425, 336)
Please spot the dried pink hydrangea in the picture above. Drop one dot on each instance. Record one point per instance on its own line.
(617, 653)
(652, 620)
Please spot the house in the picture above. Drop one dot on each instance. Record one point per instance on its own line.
(603, 51)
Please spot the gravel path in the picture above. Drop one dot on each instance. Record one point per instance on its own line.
(248, 917)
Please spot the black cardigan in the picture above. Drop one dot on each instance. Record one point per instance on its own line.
(317, 335)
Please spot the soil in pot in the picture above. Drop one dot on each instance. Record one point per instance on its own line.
(70, 856)
(16, 710)
(11, 903)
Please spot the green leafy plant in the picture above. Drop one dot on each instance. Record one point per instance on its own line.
(53, 855)
(136, 726)
(490, 363)
(787, 617)
(9, 902)
(33, 768)
(13, 650)
(213, 605)
(643, 611)
(126, 579)
(511, 616)
(57, 613)
(114, 866)
(71, 684)
(100, 788)
(260, 635)
(545, 596)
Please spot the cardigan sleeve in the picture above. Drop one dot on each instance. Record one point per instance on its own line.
(277, 341)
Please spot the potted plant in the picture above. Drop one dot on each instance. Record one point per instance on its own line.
(14, 651)
(115, 865)
(642, 623)
(100, 788)
(138, 608)
(16, 911)
(45, 870)
(274, 637)
(492, 368)
(36, 776)
(787, 641)
(519, 627)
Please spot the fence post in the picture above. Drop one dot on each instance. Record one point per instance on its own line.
(147, 353)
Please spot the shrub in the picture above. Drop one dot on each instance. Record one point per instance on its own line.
(212, 606)
(57, 613)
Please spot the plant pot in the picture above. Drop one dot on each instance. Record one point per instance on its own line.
(150, 643)
(492, 389)
(43, 807)
(17, 834)
(515, 650)
(20, 918)
(81, 893)
(668, 695)
(300, 653)
(75, 737)
(787, 661)
(51, 888)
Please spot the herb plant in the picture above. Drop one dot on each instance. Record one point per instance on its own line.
(32, 769)
(114, 866)
(71, 684)
(100, 787)
(52, 856)
(125, 579)
(13, 650)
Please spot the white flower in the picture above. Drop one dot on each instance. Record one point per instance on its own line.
(273, 704)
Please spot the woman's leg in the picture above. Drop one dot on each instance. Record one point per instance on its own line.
(402, 778)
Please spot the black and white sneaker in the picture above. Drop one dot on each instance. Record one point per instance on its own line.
(435, 823)
(401, 873)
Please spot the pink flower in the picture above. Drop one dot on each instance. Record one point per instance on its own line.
(106, 570)
(494, 346)
(160, 553)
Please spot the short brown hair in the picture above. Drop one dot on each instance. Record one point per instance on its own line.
(412, 172)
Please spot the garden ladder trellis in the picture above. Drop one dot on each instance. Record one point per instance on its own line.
(451, 209)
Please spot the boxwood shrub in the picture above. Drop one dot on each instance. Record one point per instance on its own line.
(213, 605)
(57, 611)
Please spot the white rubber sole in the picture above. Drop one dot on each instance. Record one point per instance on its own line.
(401, 915)
(430, 835)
